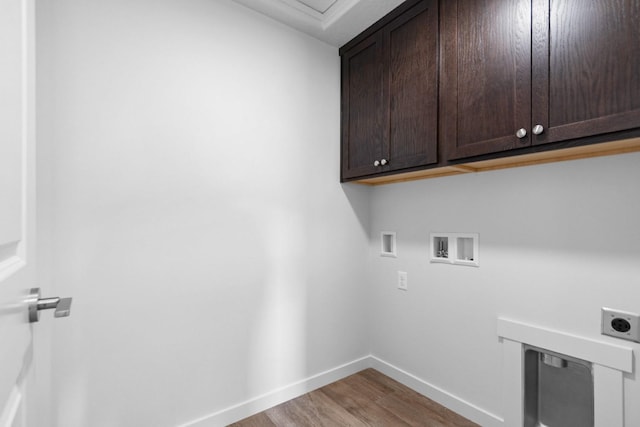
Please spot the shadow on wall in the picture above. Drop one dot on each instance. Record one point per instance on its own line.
(277, 339)
(358, 196)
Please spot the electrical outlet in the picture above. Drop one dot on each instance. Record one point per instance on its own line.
(402, 280)
(621, 324)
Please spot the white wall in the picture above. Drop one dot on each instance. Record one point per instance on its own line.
(557, 243)
(190, 204)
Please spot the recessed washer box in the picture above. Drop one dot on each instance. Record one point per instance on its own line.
(454, 248)
(440, 247)
(388, 244)
(466, 249)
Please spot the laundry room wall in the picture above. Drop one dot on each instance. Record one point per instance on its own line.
(191, 206)
(557, 242)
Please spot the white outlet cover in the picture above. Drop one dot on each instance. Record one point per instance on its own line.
(402, 280)
(610, 315)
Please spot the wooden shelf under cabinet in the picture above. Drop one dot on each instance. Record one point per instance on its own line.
(574, 153)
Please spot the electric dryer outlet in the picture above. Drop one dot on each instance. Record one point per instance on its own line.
(621, 324)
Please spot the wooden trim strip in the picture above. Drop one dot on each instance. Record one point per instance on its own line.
(574, 153)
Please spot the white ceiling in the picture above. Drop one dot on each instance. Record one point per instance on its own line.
(332, 21)
(320, 6)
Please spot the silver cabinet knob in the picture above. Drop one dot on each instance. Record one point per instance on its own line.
(538, 129)
(383, 162)
(521, 133)
(376, 163)
(62, 306)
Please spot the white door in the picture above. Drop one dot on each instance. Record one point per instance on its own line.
(17, 209)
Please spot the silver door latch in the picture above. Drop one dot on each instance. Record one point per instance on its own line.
(62, 306)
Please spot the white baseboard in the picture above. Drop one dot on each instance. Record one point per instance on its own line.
(276, 397)
(456, 404)
(253, 406)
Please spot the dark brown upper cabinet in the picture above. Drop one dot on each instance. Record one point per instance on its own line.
(390, 93)
(519, 73)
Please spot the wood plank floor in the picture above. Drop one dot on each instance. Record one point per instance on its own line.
(367, 398)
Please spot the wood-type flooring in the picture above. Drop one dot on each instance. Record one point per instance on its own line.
(367, 398)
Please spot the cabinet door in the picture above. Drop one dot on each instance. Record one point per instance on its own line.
(586, 62)
(363, 107)
(411, 43)
(486, 80)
